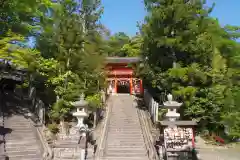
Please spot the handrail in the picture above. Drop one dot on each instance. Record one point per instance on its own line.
(47, 151)
(147, 137)
(103, 136)
(147, 124)
(144, 135)
(47, 154)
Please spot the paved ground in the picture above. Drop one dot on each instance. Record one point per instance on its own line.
(210, 152)
(220, 154)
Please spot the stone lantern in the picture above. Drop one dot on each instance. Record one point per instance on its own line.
(172, 107)
(178, 134)
(81, 112)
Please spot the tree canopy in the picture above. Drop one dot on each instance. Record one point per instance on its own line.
(206, 56)
(68, 52)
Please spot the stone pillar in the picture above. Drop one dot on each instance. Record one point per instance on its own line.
(115, 85)
(82, 146)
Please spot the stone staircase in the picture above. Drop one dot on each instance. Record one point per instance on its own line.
(21, 143)
(66, 147)
(124, 137)
(19, 138)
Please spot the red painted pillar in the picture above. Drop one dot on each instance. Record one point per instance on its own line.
(115, 82)
(141, 87)
(131, 85)
(193, 138)
(115, 85)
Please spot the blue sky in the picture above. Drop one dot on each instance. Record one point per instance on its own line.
(123, 15)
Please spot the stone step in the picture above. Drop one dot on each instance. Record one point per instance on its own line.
(122, 125)
(127, 149)
(22, 134)
(125, 143)
(24, 158)
(127, 125)
(61, 146)
(124, 139)
(23, 152)
(134, 130)
(126, 132)
(20, 129)
(124, 158)
(22, 142)
(68, 140)
(125, 135)
(64, 156)
(28, 146)
(19, 126)
(126, 146)
(124, 153)
(126, 117)
(119, 120)
(62, 138)
(13, 139)
(122, 122)
(117, 143)
(117, 130)
(17, 121)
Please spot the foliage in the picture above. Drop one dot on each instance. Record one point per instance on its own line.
(20, 57)
(60, 110)
(53, 128)
(21, 16)
(72, 40)
(206, 56)
(95, 101)
(69, 47)
(133, 48)
(115, 44)
(121, 45)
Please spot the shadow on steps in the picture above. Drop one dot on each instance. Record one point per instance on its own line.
(4, 131)
(12, 104)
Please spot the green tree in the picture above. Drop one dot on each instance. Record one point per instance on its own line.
(21, 16)
(134, 47)
(180, 32)
(115, 44)
(71, 37)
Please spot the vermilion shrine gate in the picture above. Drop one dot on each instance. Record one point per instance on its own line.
(121, 77)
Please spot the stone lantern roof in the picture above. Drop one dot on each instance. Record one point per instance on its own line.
(81, 102)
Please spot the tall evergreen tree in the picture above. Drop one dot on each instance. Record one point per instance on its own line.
(71, 37)
(182, 33)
